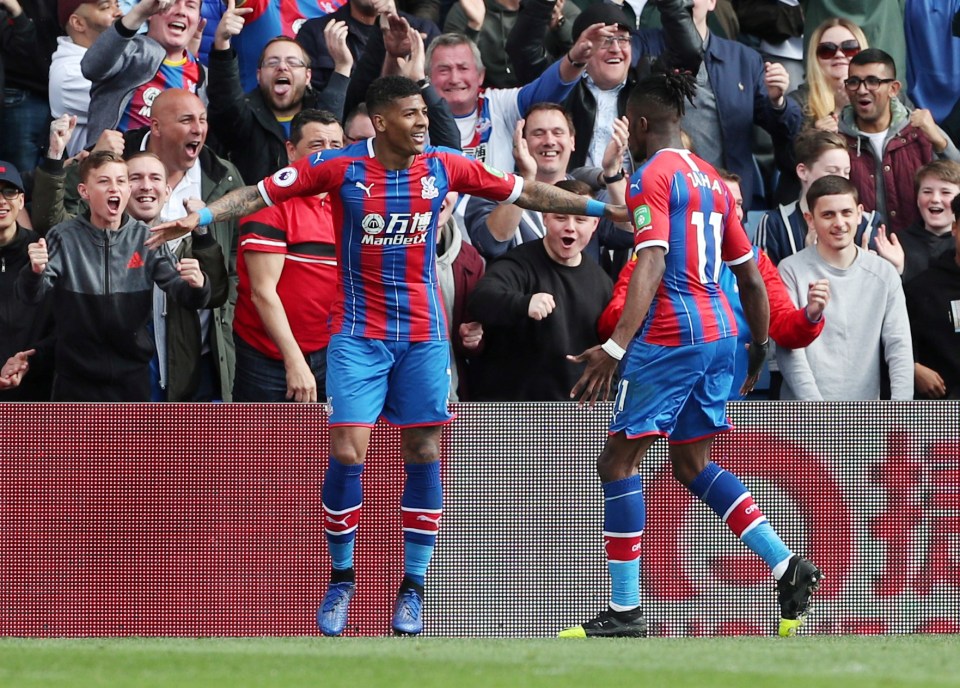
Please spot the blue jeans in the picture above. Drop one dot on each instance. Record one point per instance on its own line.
(259, 378)
(25, 123)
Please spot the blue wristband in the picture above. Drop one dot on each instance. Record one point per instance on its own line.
(595, 208)
(206, 217)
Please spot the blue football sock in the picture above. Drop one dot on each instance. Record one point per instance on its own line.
(730, 499)
(624, 518)
(422, 505)
(342, 495)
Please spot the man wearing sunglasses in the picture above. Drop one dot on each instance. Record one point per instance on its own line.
(888, 143)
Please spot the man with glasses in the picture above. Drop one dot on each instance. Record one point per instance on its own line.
(600, 96)
(25, 329)
(888, 142)
(252, 128)
(358, 125)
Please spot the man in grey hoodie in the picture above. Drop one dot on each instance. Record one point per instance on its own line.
(129, 70)
(102, 278)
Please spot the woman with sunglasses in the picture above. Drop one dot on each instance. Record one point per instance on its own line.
(822, 97)
(880, 20)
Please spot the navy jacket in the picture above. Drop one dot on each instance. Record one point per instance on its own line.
(736, 75)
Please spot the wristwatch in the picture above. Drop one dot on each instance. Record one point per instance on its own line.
(615, 178)
(578, 65)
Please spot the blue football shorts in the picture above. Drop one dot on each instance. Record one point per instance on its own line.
(678, 392)
(407, 383)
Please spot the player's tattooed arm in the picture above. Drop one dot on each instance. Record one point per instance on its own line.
(549, 199)
(237, 203)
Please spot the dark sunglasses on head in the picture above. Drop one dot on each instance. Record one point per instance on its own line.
(827, 50)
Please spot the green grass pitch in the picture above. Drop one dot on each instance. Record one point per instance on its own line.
(807, 662)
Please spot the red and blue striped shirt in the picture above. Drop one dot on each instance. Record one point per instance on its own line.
(678, 202)
(386, 229)
(184, 73)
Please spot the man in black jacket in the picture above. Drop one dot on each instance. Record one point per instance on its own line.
(251, 129)
(601, 95)
(361, 18)
(24, 329)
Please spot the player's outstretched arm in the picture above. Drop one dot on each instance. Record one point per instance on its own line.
(237, 203)
(790, 326)
(549, 199)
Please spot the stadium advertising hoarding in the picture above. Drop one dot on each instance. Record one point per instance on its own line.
(205, 520)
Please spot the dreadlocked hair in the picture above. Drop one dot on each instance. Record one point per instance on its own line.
(668, 88)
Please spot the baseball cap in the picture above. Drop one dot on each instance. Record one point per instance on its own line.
(599, 12)
(10, 175)
(67, 7)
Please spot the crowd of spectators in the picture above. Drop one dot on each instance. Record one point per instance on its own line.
(117, 116)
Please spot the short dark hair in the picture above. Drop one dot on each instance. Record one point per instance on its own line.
(305, 117)
(728, 176)
(813, 143)
(875, 56)
(387, 89)
(361, 109)
(96, 160)
(575, 186)
(550, 107)
(281, 39)
(831, 185)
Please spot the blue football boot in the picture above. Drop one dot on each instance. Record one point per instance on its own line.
(332, 615)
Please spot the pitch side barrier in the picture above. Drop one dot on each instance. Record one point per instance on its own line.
(199, 520)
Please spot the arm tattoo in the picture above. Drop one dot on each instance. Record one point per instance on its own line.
(237, 203)
(549, 199)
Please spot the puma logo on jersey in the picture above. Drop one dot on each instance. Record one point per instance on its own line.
(366, 189)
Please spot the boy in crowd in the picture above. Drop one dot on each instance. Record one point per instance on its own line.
(937, 183)
(933, 304)
(102, 278)
(783, 231)
(868, 314)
